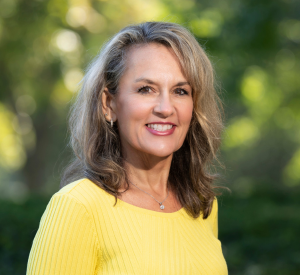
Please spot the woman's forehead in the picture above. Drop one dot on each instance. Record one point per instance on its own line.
(152, 56)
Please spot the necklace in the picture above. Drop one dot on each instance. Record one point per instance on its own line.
(161, 206)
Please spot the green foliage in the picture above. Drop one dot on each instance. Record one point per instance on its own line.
(19, 224)
(259, 234)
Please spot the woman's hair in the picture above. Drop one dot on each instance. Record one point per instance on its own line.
(97, 145)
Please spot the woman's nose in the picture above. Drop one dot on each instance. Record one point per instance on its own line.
(164, 106)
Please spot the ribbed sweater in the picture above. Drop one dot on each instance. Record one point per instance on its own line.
(82, 232)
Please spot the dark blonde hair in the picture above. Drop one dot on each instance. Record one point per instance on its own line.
(97, 146)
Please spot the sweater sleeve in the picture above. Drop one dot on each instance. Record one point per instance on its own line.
(66, 241)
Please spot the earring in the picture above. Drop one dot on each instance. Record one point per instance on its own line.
(106, 114)
(111, 122)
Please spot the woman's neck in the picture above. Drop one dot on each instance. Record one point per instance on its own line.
(150, 173)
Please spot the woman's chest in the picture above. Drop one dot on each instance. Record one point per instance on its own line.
(133, 243)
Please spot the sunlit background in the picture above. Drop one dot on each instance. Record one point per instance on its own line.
(254, 45)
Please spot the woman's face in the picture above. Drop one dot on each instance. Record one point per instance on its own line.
(154, 104)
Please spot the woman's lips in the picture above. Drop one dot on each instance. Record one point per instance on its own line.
(159, 132)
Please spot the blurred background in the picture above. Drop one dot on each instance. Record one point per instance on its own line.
(45, 47)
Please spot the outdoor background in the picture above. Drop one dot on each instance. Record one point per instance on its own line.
(45, 47)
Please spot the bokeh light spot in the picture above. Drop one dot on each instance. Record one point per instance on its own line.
(209, 24)
(95, 23)
(12, 154)
(76, 16)
(67, 41)
(291, 29)
(291, 173)
(60, 95)
(241, 131)
(253, 86)
(72, 79)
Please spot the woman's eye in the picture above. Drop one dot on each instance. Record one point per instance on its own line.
(144, 90)
(147, 89)
(181, 92)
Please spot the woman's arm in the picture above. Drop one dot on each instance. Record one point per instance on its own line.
(66, 242)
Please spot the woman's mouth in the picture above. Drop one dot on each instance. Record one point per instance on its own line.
(160, 127)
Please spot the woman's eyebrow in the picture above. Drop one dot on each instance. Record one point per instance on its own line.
(182, 83)
(142, 79)
(149, 81)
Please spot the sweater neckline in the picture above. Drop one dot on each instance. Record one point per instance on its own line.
(175, 214)
(120, 203)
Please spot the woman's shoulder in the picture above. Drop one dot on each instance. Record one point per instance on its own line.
(78, 185)
(212, 219)
(84, 192)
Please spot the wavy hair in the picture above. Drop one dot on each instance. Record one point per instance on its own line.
(96, 145)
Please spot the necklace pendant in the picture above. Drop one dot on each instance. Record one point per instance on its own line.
(162, 207)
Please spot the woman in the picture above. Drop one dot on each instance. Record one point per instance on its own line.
(145, 127)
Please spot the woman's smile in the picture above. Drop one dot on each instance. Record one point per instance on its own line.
(161, 129)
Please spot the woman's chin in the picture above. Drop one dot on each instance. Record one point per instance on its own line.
(160, 152)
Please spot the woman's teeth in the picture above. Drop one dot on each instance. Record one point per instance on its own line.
(160, 127)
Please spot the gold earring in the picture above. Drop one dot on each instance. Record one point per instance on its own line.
(111, 122)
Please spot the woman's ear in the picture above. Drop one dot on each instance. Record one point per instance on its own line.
(108, 106)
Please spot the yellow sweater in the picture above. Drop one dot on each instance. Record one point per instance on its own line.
(81, 232)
